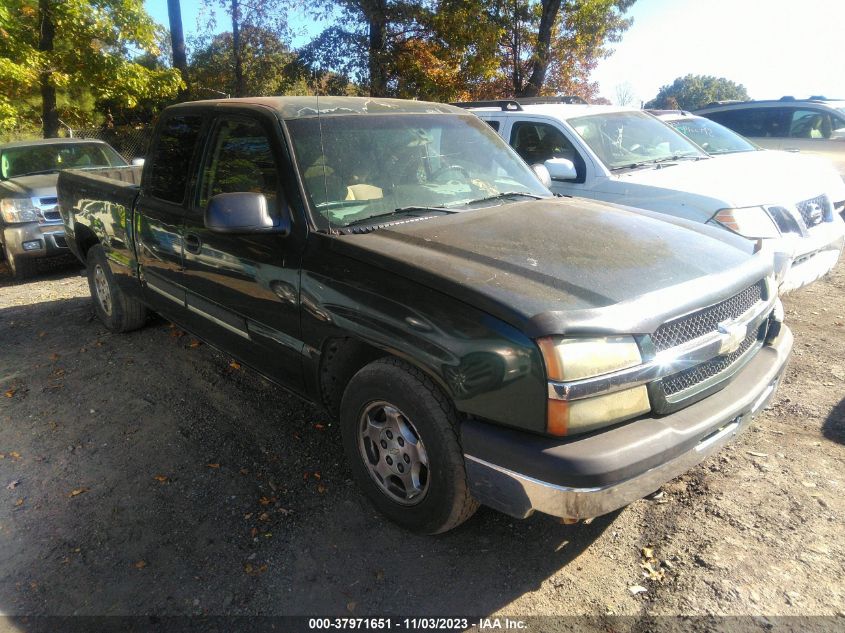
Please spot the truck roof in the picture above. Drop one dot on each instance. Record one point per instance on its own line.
(311, 106)
(557, 110)
(48, 141)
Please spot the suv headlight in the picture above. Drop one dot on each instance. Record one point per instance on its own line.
(574, 359)
(753, 222)
(16, 210)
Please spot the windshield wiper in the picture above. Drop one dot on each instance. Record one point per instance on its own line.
(398, 212)
(505, 194)
(658, 161)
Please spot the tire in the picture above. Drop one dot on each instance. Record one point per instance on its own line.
(117, 312)
(388, 400)
(22, 267)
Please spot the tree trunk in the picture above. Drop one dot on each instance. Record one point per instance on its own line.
(49, 113)
(544, 38)
(177, 39)
(378, 73)
(236, 50)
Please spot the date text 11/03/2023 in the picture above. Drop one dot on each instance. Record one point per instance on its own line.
(417, 624)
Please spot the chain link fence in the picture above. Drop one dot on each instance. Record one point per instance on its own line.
(130, 141)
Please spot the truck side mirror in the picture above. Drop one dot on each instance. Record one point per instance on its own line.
(245, 212)
(542, 173)
(137, 162)
(561, 169)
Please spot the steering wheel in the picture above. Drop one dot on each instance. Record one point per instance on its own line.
(436, 175)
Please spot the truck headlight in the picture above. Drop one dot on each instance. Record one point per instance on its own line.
(571, 359)
(753, 222)
(16, 210)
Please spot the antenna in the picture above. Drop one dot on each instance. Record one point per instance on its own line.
(322, 148)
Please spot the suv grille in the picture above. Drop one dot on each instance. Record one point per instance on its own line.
(695, 375)
(706, 320)
(814, 210)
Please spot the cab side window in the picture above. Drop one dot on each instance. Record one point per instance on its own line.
(811, 124)
(240, 159)
(171, 157)
(755, 122)
(538, 142)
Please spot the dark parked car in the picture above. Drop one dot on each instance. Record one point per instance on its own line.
(30, 224)
(478, 339)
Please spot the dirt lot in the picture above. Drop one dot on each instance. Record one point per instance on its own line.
(145, 474)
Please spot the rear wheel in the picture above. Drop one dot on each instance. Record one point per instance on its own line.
(118, 312)
(21, 267)
(400, 437)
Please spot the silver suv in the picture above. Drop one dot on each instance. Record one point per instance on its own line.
(30, 224)
(814, 126)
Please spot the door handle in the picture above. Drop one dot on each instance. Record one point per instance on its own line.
(192, 242)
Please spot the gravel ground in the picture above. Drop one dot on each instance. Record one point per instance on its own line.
(147, 474)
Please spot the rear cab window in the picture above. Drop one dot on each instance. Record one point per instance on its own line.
(170, 158)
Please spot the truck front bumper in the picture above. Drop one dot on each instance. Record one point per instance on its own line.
(586, 476)
(802, 261)
(35, 240)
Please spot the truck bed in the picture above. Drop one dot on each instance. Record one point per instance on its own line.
(97, 204)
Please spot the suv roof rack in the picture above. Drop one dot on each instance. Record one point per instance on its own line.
(515, 104)
(504, 104)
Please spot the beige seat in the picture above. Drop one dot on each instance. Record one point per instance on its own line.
(364, 192)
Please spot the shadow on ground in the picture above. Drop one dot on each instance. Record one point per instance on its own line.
(156, 477)
(834, 426)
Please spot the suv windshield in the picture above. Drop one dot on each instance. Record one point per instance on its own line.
(712, 137)
(40, 159)
(358, 167)
(630, 139)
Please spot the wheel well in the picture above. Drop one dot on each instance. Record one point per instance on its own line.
(85, 239)
(341, 359)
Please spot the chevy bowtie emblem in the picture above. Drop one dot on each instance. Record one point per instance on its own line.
(732, 335)
(815, 212)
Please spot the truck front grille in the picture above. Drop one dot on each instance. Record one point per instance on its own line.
(696, 375)
(814, 210)
(706, 320)
(48, 207)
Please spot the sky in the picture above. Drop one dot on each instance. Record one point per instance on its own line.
(772, 47)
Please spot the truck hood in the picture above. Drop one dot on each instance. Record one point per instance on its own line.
(37, 186)
(736, 180)
(564, 265)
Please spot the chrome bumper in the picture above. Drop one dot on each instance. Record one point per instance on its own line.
(812, 258)
(520, 495)
(50, 239)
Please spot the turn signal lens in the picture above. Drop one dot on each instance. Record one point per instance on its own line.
(753, 222)
(580, 416)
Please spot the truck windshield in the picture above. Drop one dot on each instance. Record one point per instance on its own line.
(630, 139)
(40, 159)
(712, 137)
(359, 167)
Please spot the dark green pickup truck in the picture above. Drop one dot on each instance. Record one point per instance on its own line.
(479, 339)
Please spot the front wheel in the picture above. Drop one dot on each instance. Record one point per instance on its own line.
(400, 437)
(118, 312)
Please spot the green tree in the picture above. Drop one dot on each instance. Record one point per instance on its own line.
(696, 91)
(50, 47)
(268, 67)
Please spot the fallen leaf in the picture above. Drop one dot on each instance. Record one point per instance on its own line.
(213, 465)
(10, 393)
(648, 553)
(160, 478)
(263, 517)
(756, 454)
(13, 484)
(635, 589)
(248, 516)
(568, 521)
(54, 357)
(15, 455)
(319, 427)
(317, 474)
(42, 334)
(248, 568)
(175, 333)
(77, 492)
(264, 501)
(235, 364)
(244, 471)
(19, 502)
(321, 488)
(350, 606)
(140, 564)
(194, 343)
(253, 532)
(657, 575)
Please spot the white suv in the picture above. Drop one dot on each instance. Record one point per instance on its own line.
(629, 157)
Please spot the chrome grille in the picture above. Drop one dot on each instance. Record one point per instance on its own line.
(48, 207)
(814, 210)
(706, 320)
(698, 374)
